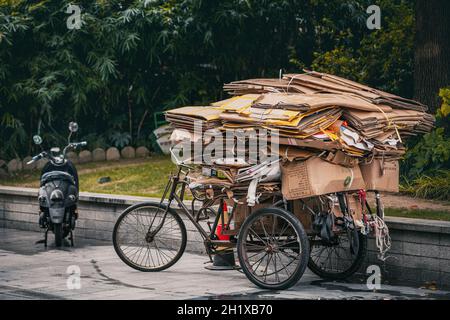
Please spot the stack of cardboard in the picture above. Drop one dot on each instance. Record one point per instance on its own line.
(312, 82)
(334, 134)
(184, 117)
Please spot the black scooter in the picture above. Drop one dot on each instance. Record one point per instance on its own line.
(58, 193)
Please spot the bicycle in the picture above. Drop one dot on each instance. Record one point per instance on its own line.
(272, 245)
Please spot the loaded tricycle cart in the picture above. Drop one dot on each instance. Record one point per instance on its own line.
(275, 240)
(331, 139)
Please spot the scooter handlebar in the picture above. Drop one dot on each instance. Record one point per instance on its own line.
(36, 158)
(78, 144)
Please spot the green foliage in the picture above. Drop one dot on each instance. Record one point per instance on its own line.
(381, 58)
(436, 186)
(131, 177)
(133, 58)
(431, 153)
(120, 139)
(338, 61)
(427, 163)
(444, 111)
(418, 214)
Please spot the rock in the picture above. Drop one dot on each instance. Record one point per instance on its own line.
(14, 165)
(41, 163)
(85, 156)
(73, 157)
(112, 154)
(128, 153)
(142, 152)
(28, 166)
(98, 155)
(3, 173)
(104, 180)
(2, 163)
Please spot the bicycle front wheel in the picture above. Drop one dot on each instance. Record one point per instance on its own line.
(149, 237)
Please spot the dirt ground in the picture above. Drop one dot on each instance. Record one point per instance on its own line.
(391, 200)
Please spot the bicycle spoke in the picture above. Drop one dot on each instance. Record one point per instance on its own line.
(272, 253)
(141, 246)
(334, 258)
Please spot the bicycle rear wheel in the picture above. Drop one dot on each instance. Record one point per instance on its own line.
(339, 259)
(273, 248)
(140, 245)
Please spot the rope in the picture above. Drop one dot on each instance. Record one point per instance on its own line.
(382, 237)
(290, 81)
(391, 124)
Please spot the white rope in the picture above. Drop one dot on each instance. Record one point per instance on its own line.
(382, 237)
(289, 83)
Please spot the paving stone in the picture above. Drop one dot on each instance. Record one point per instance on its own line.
(41, 163)
(3, 173)
(85, 156)
(419, 237)
(444, 265)
(14, 165)
(444, 240)
(417, 249)
(73, 157)
(444, 252)
(112, 154)
(430, 276)
(445, 277)
(433, 264)
(98, 155)
(142, 152)
(28, 166)
(128, 153)
(33, 272)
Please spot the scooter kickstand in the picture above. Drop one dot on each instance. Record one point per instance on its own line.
(45, 238)
(71, 238)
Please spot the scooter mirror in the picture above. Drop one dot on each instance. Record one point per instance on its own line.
(73, 127)
(37, 139)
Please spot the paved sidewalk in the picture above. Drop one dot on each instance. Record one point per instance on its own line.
(28, 271)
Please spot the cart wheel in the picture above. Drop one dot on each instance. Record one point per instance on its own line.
(340, 258)
(273, 248)
(139, 247)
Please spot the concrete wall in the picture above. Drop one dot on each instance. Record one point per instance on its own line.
(420, 252)
(420, 248)
(97, 214)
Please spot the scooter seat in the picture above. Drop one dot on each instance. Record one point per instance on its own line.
(57, 175)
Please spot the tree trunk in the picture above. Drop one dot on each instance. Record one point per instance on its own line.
(432, 51)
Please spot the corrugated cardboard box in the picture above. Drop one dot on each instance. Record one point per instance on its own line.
(302, 179)
(242, 211)
(381, 175)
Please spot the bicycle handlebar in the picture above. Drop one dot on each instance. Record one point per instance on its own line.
(178, 162)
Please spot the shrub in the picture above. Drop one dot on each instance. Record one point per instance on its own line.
(436, 186)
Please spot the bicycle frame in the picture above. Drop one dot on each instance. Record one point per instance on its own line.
(209, 238)
(170, 192)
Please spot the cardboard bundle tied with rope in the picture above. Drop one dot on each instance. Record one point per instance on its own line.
(334, 134)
